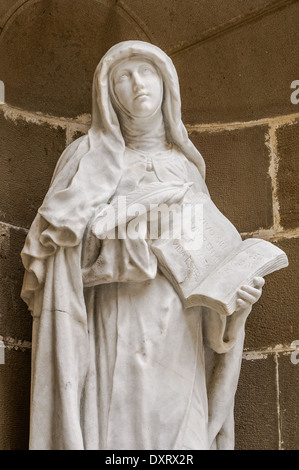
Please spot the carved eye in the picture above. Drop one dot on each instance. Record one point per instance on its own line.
(122, 77)
(147, 69)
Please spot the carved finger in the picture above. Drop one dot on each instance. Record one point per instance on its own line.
(241, 304)
(259, 282)
(245, 296)
(252, 291)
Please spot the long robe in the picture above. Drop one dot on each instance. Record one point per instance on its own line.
(118, 363)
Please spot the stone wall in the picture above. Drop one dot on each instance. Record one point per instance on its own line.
(236, 61)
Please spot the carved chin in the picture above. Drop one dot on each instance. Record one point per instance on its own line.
(143, 107)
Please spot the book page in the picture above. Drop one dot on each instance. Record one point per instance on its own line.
(255, 257)
(219, 264)
(215, 238)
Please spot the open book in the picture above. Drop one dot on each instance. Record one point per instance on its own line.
(211, 268)
(210, 274)
(253, 257)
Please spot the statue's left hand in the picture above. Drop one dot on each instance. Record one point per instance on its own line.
(247, 295)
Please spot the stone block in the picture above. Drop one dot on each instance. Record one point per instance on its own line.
(289, 403)
(274, 318)
(191, 20)
(29, 153)
(15, 320)
(237, 163)
(76, 135)
(256, 419)
(49, 52)
(14, 400)
(243, 74)
(5, 7)
(288, 174)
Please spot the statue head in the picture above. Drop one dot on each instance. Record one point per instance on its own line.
(136, 86)
(161, 86)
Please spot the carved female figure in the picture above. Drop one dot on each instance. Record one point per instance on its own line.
(118, 362)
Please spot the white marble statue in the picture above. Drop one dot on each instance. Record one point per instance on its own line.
(117, 361)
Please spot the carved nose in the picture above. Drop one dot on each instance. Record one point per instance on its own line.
(137, 82)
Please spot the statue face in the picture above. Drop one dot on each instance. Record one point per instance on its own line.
(138, 87)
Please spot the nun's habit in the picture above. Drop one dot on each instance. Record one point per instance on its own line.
(117, 362)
